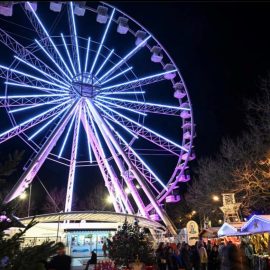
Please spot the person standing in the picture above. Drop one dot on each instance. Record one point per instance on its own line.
(93, 260)
(213, 259)
(186, 258)
(195, 257)
(203, 256)
(104, 249)
(161, 258)
(231, 259)
(61, 261)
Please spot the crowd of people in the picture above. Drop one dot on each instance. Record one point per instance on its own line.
(204, 256)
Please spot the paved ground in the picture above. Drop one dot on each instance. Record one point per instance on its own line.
(79, 264)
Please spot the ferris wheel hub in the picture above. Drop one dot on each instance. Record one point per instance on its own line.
(85, 85)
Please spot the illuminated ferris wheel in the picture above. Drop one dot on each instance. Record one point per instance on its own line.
(97, 81)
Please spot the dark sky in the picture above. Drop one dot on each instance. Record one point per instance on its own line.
(221, 49)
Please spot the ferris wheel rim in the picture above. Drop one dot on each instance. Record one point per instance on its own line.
(172, 181)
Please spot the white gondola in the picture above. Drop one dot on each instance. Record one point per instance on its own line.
(122, 27)
(56, 6)
(173, 198)
(32, 4)
(79, 9)
(157, 55)
(179, 91)
(169, 76)
(102, 14)
(140, 36)
(6, 8)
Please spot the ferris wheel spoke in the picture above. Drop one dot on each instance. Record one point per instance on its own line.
(26, 55)
(6, 72)
(137, 83)
(42, 72)
(38, 105)
(104, 62)
(112, 104)
(73, 160)
(67, 134)
(117, 75)
(138, 162)
(102, 41)
(146, 106)
(28, 100)
(108, 116)
(108, 182)
(53, 61)
(114, 183)
(35, 20)
(113, 145)
(122, 93)
(68, 54)
(16, 130)
(125, 59)
(133, 169)
(47, 123)
(74, 37)
(35, 164)
(87, 54)
(145, 132)
(22, 84)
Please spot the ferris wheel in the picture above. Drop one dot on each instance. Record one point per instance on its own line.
(88, 78)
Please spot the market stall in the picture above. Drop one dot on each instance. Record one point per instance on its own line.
(258, 228)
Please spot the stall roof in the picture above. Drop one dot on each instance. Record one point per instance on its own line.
(232, 229)
(257, 224)
(209, 232)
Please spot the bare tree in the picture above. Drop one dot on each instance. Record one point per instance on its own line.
(56, 201)
(97, 199)
(8, 165)
(242, 165)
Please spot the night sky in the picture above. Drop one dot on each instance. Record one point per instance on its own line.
(221, 49)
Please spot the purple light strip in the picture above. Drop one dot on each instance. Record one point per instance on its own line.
(105, 61)
(53, 60)
(37, 116)
(37, 105)
(121, 107)
(147, 103)
(142, 161)
(144, 127)
(138, 80)
(44, 126)
(118, 123)
(87, 54)
(33, 77)
(121, 93)
(117, 75)
(41, 71)
(51, 41)
(68, 54)
(123, 60)
(68, 132)
(76, 38)
(36, 87)
(102, 41)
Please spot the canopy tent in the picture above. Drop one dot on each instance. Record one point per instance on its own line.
(257, 224)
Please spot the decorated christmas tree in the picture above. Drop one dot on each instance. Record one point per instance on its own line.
(130, 244)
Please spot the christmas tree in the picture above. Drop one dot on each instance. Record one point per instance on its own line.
(12, 256)
(131, 243)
